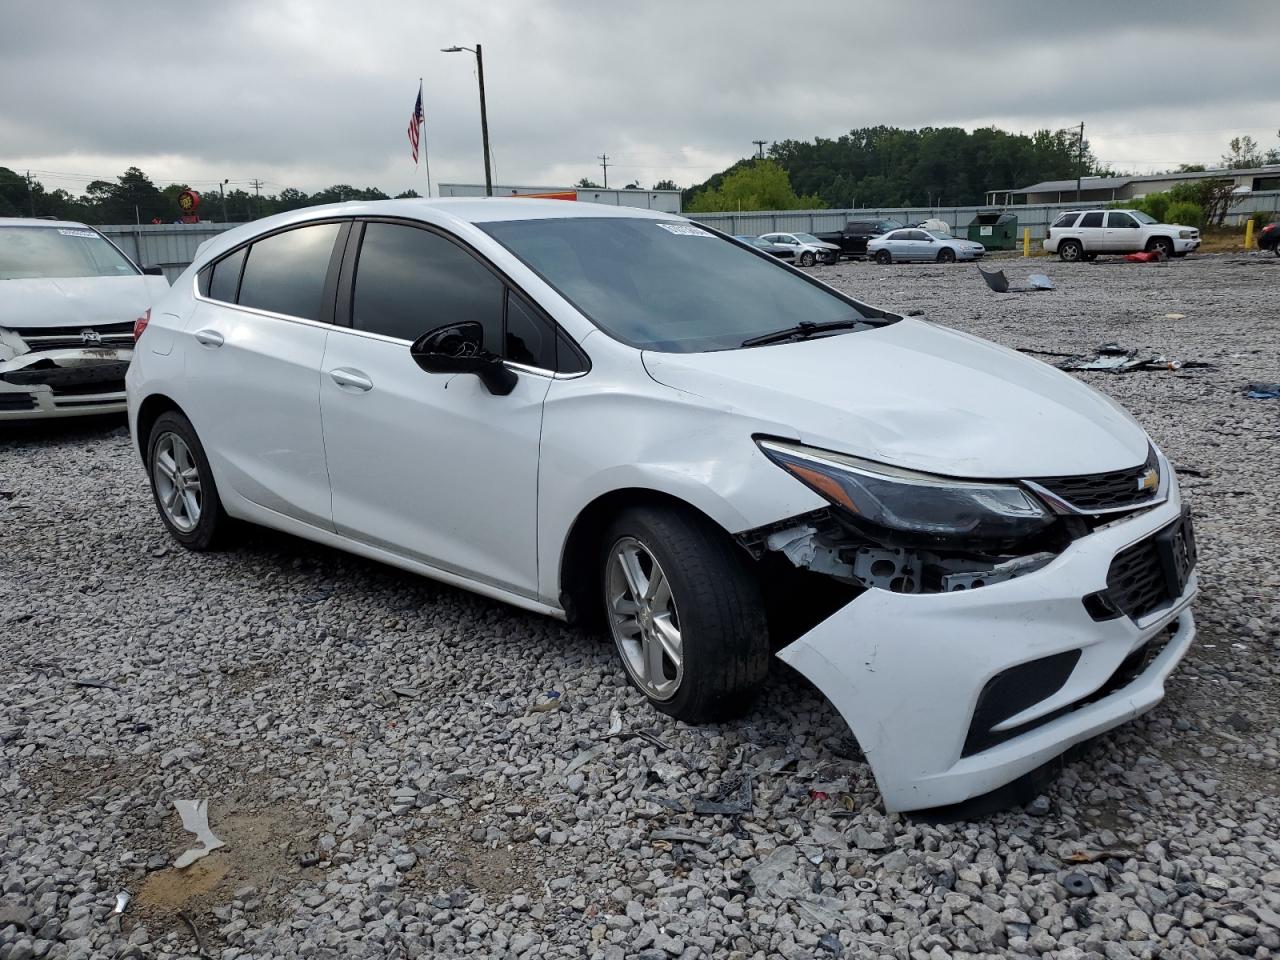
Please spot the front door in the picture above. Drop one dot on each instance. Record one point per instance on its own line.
(431, 466)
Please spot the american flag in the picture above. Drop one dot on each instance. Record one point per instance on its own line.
(415, 124)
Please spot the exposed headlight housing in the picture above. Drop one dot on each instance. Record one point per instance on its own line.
(919, 504)
(1185, 234)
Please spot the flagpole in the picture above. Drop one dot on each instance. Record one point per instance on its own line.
(426, 157)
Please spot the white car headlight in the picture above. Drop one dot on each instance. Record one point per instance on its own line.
(909, 501)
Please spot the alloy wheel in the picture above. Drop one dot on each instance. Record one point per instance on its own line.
(177, 480)
(644, 619)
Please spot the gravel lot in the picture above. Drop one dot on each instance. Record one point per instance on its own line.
(393, 777)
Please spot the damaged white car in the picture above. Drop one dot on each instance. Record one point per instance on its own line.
(69, 300)
(619, 416)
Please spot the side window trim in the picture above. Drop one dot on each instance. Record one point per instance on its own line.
(345, 292)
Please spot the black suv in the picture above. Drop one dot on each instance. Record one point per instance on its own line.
(852, 240)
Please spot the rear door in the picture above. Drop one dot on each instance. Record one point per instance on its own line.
(1091, 231)
(253, 352)
(433, 466)
(1123, 233)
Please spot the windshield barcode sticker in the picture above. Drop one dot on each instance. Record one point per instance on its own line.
(87, 234)
(685, 230)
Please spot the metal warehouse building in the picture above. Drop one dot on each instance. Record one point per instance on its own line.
(667, 201)
(1107, 189)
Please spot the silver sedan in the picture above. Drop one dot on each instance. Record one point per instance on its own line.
(916, 244)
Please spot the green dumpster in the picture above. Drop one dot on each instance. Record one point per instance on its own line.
(995, 231)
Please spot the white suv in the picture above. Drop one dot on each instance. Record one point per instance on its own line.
(1083, 235)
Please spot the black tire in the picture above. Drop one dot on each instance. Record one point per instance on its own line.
(884, 256)
(1070, 251)
(806, 258)
(1275, 248)
(1162, 244)
(946, 255)
(724, 636)
(212, 527)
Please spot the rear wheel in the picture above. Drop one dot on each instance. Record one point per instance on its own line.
(884, 256)
(1276, 249)
(685, 613)
(806, 258)
(1163, 244)
(1070, 251)
(182, 484)
(946, 255)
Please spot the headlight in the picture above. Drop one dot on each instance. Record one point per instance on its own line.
(911, 502)
(1185, 234)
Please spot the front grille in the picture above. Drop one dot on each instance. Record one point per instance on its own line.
(1104, 491)
(17, 401)
(1136, 581)
(53, 338)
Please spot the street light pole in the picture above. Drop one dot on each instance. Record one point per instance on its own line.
(484, 114)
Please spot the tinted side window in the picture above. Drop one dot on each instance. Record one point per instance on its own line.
(569, 359)
(1091, 220)
(409, 281)
(1066, 220)
(1121, 220)
(529, 339)
(285, 273)
(226, 276)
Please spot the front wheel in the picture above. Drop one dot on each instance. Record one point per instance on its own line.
(685, 613)
(1163, 245)
(1070, 251)
(806, 259)
(884, 256)
(946, 255)
(182, 484)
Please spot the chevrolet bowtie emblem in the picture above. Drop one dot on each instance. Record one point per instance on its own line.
(1149, 480)
(90, 337)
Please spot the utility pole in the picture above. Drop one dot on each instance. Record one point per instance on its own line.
(484, 124)
(257, 195)
(31, 196)
(1079, 160)
(223, 193)
(604, 165)
(759, 149)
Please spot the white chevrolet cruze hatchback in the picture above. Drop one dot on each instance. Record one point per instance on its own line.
(617, 416)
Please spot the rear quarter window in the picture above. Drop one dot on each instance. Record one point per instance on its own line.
(1066, 220)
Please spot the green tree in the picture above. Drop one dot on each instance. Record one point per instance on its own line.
(757, 185)
(408, 195)
(587, 184)
(665, 185)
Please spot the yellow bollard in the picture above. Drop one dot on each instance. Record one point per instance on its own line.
(1026, 241)
(1248, 233)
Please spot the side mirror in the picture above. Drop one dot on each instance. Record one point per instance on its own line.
(153, 271)
(459, 348)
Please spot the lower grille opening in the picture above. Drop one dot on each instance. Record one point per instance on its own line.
(1010, 692)
(81, 389)
(17, 401)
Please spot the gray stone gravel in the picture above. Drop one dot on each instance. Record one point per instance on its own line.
(368, 746)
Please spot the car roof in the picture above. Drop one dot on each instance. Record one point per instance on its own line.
(441, 211)
(40, 222)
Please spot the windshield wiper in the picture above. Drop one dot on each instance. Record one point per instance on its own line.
(802, 331)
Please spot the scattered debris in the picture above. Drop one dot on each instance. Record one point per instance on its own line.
(615, 723)
(1093, 856)
(679, 836)
(308, 860)
(738, 805)
(316, 596)
(864, 885)
(1145, 256)
(998, 282)
(94, 683)
(1113, 358)
(195, 819)
(1175, 316)
(122, 901)
(915, 313)
(1078, 885)
(546, 706)
(195, 932)
(779, 874)
(409, 693)
(676, 805)
(819, 796)
(1263, 391)
(831, 943)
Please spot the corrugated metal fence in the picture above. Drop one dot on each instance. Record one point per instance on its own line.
(173, 245)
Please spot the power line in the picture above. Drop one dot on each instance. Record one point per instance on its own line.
(604, 165)
(759, 148)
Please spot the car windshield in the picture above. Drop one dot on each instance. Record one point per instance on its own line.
(37, 252)
(806, 238)
(1143, 217)
(671, 287)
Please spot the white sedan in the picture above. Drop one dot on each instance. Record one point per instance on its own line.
(808, 248)
(914, 243)
(68, 302)
(617, 416)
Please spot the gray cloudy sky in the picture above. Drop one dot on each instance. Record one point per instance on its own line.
(308, 94)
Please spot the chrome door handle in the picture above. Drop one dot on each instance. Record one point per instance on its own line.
(210, 338)
(351, 378)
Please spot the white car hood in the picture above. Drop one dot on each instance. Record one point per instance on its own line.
(76, 301)
(918, 396)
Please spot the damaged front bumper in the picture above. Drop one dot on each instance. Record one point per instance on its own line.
(954, 694)
(63, 382)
